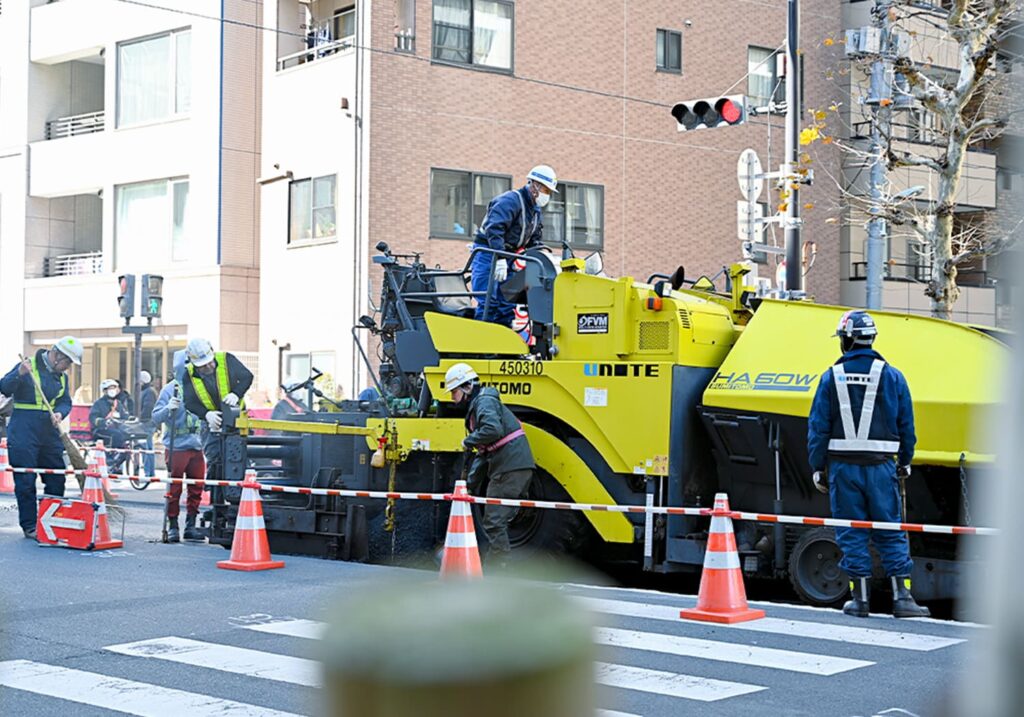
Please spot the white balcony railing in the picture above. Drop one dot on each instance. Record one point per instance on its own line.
(314, 53)
(74, 264)
(75, 125)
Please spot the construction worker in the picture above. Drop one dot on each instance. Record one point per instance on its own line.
(106, 418)
(503, 464)
(512, 224)
(147, 400)
(33, 435)
(213, 380)
(860, 419)
(185, 462)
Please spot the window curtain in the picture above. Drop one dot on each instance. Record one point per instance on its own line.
(182, 245)
(492, 34)
(183, 72)
(141, 228)
(593, 211)
(144, 90)
(452, 30)
(761, 75)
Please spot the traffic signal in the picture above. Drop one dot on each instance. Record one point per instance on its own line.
(152, 295)
(710, 112)
(126, 301)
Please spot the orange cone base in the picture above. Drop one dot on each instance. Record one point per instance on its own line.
(726, 618)
(250, 566)
(108, 545)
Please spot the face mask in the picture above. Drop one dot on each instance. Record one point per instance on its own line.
(112, 392)
(542, 199)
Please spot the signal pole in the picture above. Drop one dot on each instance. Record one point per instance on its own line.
(794, 248)
(881, 123)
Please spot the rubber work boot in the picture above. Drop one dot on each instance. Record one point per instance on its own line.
(172, 531)
(859, 600)
(30, 533)
(191, 531)
(903, 603)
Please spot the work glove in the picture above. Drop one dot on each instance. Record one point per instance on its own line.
(173, 403)
(231, 400)
(500, 270)
(820, 482)
(903, 471)
(213, 420)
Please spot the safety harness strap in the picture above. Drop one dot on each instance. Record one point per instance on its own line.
(855, 436)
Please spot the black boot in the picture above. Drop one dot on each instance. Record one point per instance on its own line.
(859, 600)
(903, 603)
(172, 530)
(191, 531)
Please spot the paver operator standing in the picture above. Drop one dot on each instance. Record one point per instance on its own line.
(503, 464)
(861, 417)
(32, 435)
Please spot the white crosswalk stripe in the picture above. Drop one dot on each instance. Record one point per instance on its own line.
(114, 693)
(624, 676)
(795, 628)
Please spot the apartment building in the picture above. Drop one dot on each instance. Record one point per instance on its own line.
(989, 195)
(129, 143)
(399, 120)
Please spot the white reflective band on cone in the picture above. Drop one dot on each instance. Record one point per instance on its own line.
(720, 524)
(721, 561)
(251, 522)
(460, 540)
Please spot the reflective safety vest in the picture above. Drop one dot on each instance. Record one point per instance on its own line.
(223, 383)
(39, 404)
(856, 437)
(191, 424)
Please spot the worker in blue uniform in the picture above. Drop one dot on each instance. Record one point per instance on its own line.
(33, 437)
(861, 418)
(512, 224)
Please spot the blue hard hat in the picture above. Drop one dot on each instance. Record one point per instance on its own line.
(857, 325)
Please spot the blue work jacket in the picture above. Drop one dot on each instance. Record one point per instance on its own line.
(188, 427)
(503, 227)
(32, 426)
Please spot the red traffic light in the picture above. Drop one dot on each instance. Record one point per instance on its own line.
(710, 112)
(729, 111)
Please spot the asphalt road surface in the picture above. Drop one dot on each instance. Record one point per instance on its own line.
(157, 630)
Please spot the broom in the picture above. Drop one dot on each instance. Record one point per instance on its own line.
(78, 461)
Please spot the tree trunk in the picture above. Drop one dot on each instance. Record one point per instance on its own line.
(942, 286)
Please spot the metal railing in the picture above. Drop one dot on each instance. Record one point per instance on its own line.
(894, 271)
(314, 53)
(405, 41)
(75, 125)
(74, 264)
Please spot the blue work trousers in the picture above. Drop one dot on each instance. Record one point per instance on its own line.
(34, 455)
(500, 311)
(868, 492)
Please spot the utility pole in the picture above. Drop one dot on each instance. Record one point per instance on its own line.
(794, 248)
(880, 99)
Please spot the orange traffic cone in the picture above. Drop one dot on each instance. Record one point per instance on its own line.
(6, 475)
(461, 557)
(722, 597)
(250, 549)
(93, 493)
(101, 468)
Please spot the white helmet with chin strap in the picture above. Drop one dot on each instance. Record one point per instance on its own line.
(199, 352)
(458, 375)
(543, 174)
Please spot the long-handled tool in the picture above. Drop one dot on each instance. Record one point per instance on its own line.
(78, 461)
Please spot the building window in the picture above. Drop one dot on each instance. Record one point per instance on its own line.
(405, 25)
(154, 78)
(763, 82)
(669, 54)
(312, 210)
(151, 224)
(575, 214)
(458, 201)
(474, 32)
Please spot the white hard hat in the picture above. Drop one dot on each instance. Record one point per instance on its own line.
(199, 352)
(70, 347)
(108, 383)
(543, 174)
(458, 375)
(146, 377)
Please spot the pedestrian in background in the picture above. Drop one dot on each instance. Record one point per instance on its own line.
(33, 434)
(147, 400)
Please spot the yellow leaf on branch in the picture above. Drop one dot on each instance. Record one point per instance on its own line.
(809, 206)
(808, 135)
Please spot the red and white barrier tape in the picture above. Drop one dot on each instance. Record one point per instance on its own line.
(552, 505)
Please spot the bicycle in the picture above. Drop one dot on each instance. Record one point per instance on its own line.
(127, 459)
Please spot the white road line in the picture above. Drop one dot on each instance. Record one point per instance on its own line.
(660, 682)
(114, 693)
(795, 628)
(615, 713)
(309, 629)
(727, 652)
(226, 658)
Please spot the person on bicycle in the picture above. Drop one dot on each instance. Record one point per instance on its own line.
(186, 460)
(106, 417)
